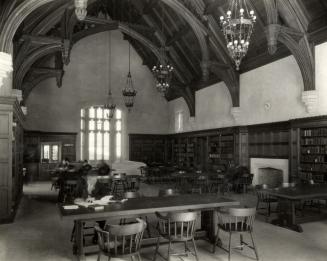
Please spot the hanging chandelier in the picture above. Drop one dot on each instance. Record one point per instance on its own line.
(110, 105)
(163, 71)
(237, 28)
(129, 92)
(80, 9)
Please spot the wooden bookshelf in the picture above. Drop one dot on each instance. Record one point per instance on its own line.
(309, 149)
(313, 154)
(221, 149)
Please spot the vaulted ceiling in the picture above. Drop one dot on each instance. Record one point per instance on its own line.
(190, 29)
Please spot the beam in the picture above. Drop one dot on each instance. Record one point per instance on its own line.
(178, 34)
(149, 6)
(296, 40)
(36, 76)
(213, 5)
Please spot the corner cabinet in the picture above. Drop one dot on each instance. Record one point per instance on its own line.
(11, 157)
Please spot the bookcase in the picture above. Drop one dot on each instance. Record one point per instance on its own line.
(313, 154)
(309, 149)
(221, 149)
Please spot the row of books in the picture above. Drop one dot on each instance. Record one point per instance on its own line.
(315, 132)
(314, 158)
(314, 150)
(314, 167)
(314, 141)
(217, 156)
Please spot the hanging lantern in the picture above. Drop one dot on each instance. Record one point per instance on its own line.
(163, 71)
(129, 92)
(110, 105)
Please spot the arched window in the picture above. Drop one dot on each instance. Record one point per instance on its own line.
(101, 139)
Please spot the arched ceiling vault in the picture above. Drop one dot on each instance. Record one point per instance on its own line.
(41, 33)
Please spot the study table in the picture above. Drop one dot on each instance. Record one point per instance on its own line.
(297, 195)
(141, 206)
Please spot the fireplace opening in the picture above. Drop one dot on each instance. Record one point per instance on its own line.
(271, 164)
(271, 176)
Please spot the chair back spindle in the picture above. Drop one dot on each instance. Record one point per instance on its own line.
(121, 240)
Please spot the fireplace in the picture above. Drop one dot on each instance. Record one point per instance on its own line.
(274, 166)
(270, 176)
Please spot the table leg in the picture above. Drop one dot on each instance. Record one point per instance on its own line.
(287, 216)
(79, 240)
(293, 224)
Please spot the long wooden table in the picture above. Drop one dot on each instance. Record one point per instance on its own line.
(142, 206)
(296, 195)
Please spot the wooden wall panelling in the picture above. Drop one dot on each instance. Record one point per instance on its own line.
(10, 157)
(32, 152)
(269, 140)
(147, 148)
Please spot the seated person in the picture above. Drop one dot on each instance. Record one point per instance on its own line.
(88, 184)
(103, 168)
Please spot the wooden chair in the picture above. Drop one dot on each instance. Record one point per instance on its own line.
(245, 181)
(168, 192)
(119, 184)
(133, 182)
(200, 184)
(264, 200)
(69, 187)
(121, 241)
(236, 220)
(177, 228)
(288, 184)
(123, 221)
(217, 183)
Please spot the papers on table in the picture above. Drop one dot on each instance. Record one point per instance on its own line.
(92, 202)
(70, 207)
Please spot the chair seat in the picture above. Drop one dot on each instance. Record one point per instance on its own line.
(235, 227)
(269, 200)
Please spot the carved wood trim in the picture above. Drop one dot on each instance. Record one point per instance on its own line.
(295, 40)
(36, 76)
(33, 57)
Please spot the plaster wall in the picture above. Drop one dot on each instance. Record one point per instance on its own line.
(267, 94)
(85, 83)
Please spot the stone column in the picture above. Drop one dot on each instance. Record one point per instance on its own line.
(5, 74)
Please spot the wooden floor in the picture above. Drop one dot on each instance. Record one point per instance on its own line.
(38, 234)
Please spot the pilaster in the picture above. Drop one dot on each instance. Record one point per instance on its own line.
(310, 100)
